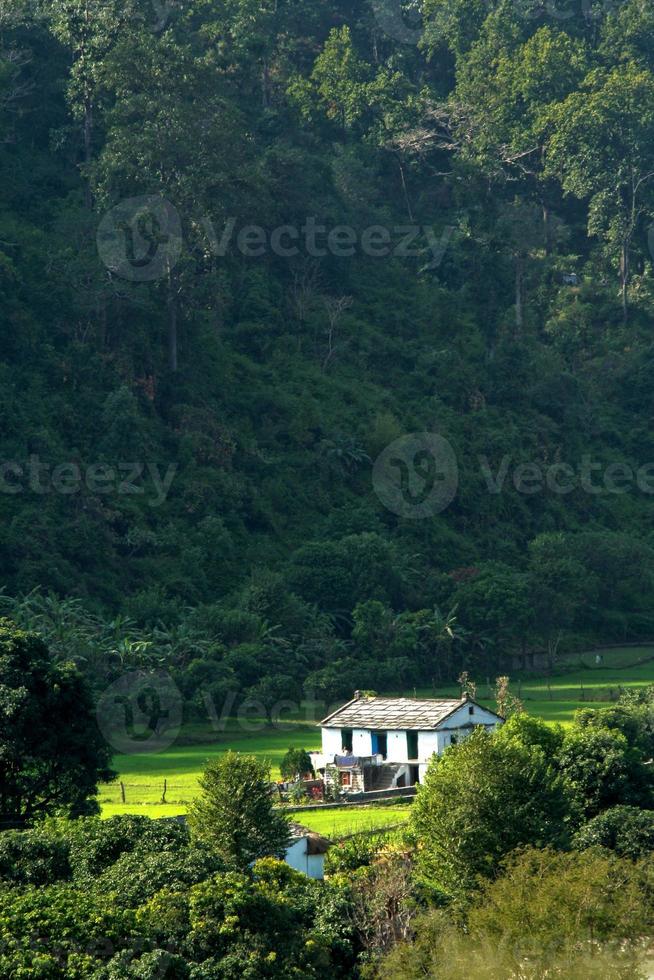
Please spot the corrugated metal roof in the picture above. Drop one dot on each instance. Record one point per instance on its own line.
(393, 713)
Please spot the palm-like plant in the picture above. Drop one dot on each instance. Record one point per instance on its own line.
(439, 634)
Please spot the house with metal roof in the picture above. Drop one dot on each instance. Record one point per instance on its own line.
(374, 743)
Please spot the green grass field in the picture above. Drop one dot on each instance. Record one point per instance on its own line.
(352, 819)
(579, 683)
(143, 775)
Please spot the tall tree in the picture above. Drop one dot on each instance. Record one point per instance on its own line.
(454, 817)
(601, 148)
(234, 813)
(52, 755)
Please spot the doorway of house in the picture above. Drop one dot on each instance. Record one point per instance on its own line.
(380, 744)
(414, 775)
(412, 745)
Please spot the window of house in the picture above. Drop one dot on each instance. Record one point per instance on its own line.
(346, 740)
(471, 709)
(346, 779)
(453, 739)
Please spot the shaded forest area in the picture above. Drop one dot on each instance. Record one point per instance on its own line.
(187, 453)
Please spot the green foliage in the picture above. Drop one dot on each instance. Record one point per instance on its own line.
(627, 830)
(234, 813)
(146, 903)
(455, 816)
(249, 395)
(601, 770)
(52, 755)
(31, 857)
(548, 914)
(266, 385)
(296, 764)
(95, 845)
(357, 852)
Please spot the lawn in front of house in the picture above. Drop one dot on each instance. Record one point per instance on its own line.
(352, 819)
(181, 766)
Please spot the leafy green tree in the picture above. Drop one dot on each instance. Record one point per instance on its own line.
(496, 602)
(601, 770)
(627, 830)
(295, 764)
(454, 818)
(630, 716)
(559, 586)
(601, 148)
(53, 755)
(90, 29)
(32, 857)
(77, 930)
(95, 845)
(548, 914)
(529, 731)
(234, 813)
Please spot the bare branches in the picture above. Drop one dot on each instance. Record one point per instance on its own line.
(335, 307)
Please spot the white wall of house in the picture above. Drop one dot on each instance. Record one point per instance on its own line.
(427, 745)
(396, 747)
(296, 856)
(361, 742)
(316, 866)
(331, 741)
(462, 716)
(444, 739)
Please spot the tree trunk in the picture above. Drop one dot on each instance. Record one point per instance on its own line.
(265, 85)
(519, 319)
(88, 116)
(405, 191)
(172, 325)
(547, 229)
(624, 279)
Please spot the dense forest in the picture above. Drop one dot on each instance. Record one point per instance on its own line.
(245, 248)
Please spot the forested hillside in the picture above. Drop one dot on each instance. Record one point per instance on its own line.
(245, 247)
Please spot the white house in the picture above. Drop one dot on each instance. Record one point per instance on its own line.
(306, 851)
(375, 743)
